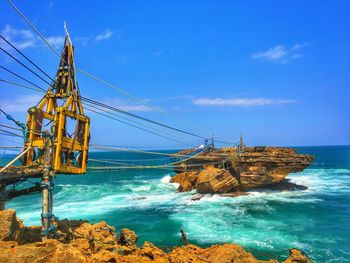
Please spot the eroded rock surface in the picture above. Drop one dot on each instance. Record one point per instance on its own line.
(82, 242)
(255, 167)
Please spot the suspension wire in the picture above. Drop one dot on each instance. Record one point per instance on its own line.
(131, 160)
(7, 53)
(155, 133)
(11, 147)
(5, 132)
(10, 127)
(139, 117)
(30, 61)
(174, 164)
(99, 80)
(118, 149)
(20, 85)
(18, 76)
(134, 98)
(147, 166)
(92, 76)
(139, 123)
(42, 90)
(101, 104)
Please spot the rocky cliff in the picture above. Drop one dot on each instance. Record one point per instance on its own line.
(78, 241)
(227, 170)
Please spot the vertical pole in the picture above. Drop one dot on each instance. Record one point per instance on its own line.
(2, 192)
(46, 214)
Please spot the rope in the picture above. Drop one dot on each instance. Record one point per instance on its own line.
(110, 148)
(133, 97)
(147, 166)
(30, 61)
(141, 118)
(133, 121)
(119, 149)
(92, 76)
(19, 124)
(18, 76)
(19, 85)
(9, 127)
(42, 90)
(110, 117)
(7, 53)
(10, 133)
(11, 147)
(167, 126)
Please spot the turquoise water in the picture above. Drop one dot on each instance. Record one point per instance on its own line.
(315, 220)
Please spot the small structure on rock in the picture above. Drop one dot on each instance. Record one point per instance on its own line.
(229, 170)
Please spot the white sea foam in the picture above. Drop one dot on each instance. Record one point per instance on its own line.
(166, 179)
(261, 219)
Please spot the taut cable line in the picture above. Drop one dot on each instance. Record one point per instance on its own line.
(30, 61)
(20, 85)
(92, 105)
(135, 126)
(139, 117)
(96, 102)
(25, 66)
(173, 138)
(100, 80)
(20, 77)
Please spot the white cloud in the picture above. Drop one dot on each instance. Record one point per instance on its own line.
(126, 105)
(158, 53)
(280, 54)
(107, 34)
(23, 38)
(135, 108)
(240, 102)
(274, 53)
(19, 38)
(20, 103)
(56, 42)
(83, 41)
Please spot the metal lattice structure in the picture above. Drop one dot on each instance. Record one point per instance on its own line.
(69, 151)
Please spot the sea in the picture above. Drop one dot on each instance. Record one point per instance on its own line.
(266, 223)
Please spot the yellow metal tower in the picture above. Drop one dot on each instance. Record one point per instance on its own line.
(69, 151)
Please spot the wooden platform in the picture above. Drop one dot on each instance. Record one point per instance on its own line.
(17, 174)
(14, 174)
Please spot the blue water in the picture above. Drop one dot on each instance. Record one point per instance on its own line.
(315, 220)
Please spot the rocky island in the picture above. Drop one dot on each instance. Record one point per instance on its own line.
(78, 241)
(234, 170)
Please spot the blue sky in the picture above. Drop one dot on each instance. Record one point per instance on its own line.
(276, 71)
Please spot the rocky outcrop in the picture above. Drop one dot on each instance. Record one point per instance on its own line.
(297, 256)
(214, 180)
(9, 225)
(210, 180)
(78, 242)
(12, 228)
(239, 171)
(128, 238)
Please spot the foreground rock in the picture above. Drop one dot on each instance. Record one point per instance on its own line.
(228, 170)
(79, 242)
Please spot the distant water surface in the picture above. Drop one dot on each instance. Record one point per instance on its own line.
(315, 220)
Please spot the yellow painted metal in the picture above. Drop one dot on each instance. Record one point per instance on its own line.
(70, 151)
